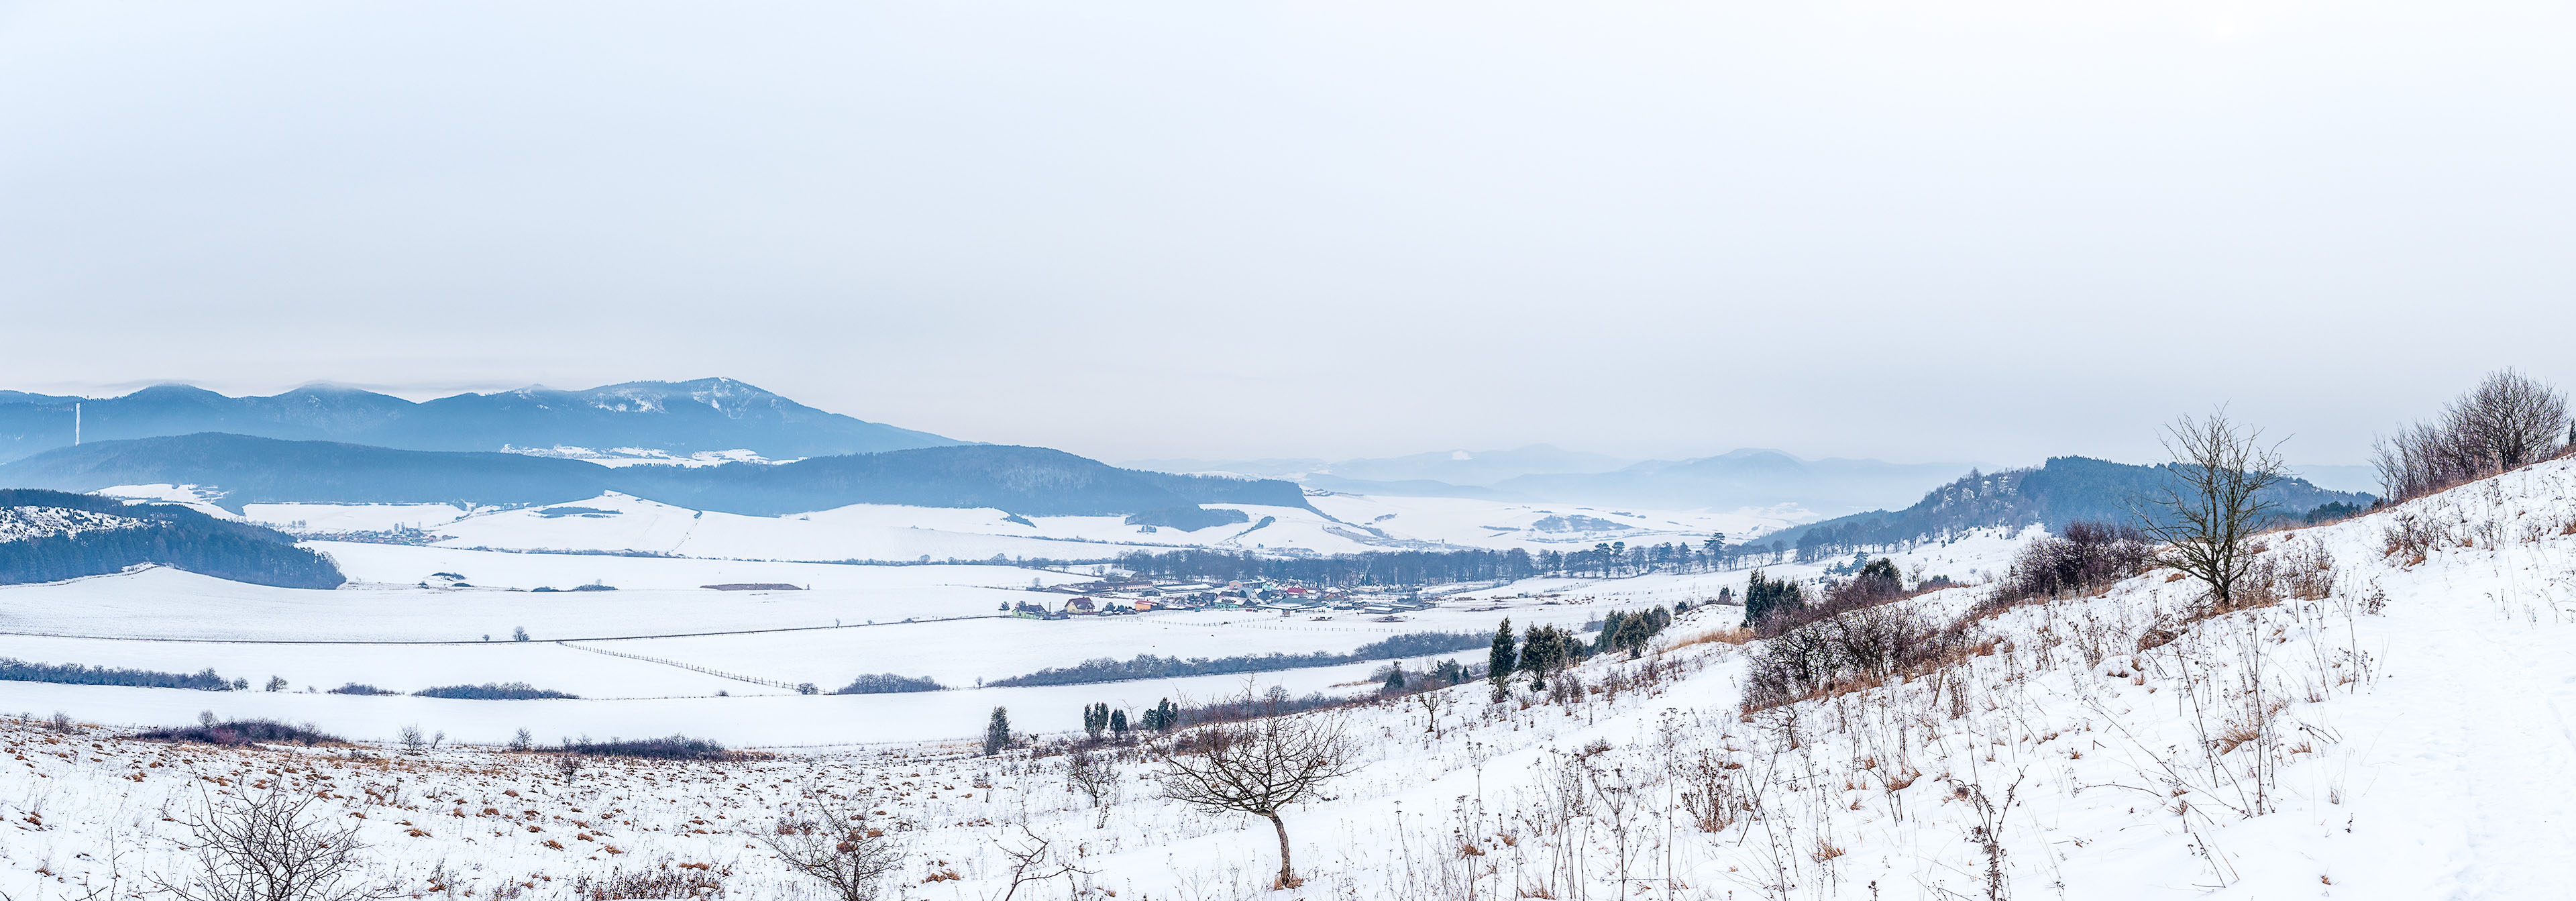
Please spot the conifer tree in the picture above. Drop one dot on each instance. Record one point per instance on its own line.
(997, 734)
(1504, 658)
(1118, 722)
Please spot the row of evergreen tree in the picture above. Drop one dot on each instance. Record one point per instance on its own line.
(1099, 718)
(1542, 651)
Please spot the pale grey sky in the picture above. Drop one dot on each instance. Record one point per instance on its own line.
(1957, 231)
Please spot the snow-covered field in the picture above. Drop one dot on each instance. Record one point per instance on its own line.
(1339, 524)
(399, 628)
(2395, 728)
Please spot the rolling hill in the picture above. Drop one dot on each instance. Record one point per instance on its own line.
(713, 414)
(48, 536)
(2063, 490)
(249, 470)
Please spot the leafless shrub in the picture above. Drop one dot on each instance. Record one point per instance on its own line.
(664, 881)
(2508, 421)
(1987, 832)
(823, 840)
(2303, 572)
(2085, 555)
(272, 845)
(2410, 537)
(1093, 778)
(1034, 862)
(1710, 793)
(1259, 768)
(1857, 649)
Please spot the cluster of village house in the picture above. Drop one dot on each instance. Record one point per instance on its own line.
(1114, 597)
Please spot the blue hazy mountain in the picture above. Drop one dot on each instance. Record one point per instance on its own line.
(2063, 490)
(678, 417)
(248, 470)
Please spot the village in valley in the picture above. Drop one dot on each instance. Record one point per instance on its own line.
(1129, 596)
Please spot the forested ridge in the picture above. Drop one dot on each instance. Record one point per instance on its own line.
(166, 534)
(2063, 490)
(1030, 481)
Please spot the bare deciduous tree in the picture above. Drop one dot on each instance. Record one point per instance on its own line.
(822, 841)
(1432, 702)
(2214, 503)
(1093, 778)
(271, 845)
(1259, 768)
(2508, 421)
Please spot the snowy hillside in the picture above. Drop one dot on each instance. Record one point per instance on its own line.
(2387, 718)
(22, 523)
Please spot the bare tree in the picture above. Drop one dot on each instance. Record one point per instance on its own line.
(2508, 421)
(2212, 504)
(821, 840)
(1259, 768)
(1432, 702)
(270, 845)
(1094, 778)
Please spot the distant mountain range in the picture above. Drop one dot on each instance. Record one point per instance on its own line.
(248, 470)
(2063, 490)
(682, 418)
(1752, 477)
(48, 536)
(1439, 470)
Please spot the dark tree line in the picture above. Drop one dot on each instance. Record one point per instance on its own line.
(888, 683)
(15, 670)
(493, 691)
(1149, 666)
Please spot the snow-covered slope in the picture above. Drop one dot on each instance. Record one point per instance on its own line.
(21, 523)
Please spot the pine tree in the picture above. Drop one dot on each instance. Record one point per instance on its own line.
(1118, 722)
(1165, 716)
(1095, 717)
(1504, 658)
(997, 734)
(1545, 650)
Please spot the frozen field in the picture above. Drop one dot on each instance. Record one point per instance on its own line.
(1340, 524)
(387, 630)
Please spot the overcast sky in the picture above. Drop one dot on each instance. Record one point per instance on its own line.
(1913, 231)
